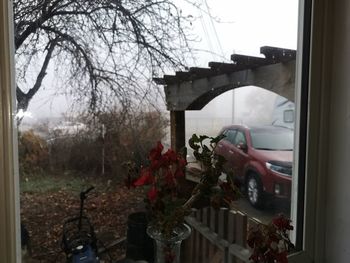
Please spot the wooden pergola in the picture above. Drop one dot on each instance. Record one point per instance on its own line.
(193, 89)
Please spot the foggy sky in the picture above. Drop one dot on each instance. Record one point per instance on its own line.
(245, 26)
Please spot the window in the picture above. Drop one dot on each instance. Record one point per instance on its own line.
(288, 116)
(7, 249)
(279, 139)
(230, 135)
(240, 138)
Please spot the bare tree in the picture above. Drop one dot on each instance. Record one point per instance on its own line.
(102, 50)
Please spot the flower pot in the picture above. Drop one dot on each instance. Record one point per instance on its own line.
(139, 245)
(167, 249)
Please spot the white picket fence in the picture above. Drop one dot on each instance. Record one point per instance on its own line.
(218, 236)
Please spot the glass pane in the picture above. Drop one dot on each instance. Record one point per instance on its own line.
(230, 135)
(240, 138)
(90, 116)
(288, 116)
(272, 139)
(268, 158)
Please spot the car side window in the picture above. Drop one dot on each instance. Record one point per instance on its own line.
(240, 138)
(230, 135)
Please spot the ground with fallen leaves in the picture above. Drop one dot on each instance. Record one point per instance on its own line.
(44, 212)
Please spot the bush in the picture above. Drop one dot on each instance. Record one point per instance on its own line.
(33, 153)
(126, 137)
(78, 152)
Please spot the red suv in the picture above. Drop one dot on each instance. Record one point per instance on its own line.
(260, 157)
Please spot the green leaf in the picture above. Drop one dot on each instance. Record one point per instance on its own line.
(195, 138)
(217, 138)
(197, 156)
(192, 142)
(206, 149)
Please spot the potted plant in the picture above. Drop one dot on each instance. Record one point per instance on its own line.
(167, 209)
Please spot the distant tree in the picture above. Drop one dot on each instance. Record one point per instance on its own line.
(101, 50)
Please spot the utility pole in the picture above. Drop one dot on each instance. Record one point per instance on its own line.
(233, 106)
(103, 132)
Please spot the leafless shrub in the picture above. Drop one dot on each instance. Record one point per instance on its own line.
(108, 142)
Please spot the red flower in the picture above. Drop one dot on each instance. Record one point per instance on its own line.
(152, 194)
(145, 178)
(169, 178)
(156, 152)
(181, 161)
(156, 164)
(282, 223)
(179, 173)
(171, 155)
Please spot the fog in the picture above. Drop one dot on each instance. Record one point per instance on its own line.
(235, 26)
(246, 105)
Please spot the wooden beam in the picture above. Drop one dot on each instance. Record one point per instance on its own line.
(227, 68)
(195, 94)
(170, 79)
(198, 70)
(278, 54)
(177, 130)
(159, 81)
(272, 55)
(248, 61)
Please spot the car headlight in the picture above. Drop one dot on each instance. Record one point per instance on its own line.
(281, 168)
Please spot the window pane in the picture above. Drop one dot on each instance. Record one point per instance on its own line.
(288, 116)
(276, 139)
(230, 135)
(240, 138)
(89, 112)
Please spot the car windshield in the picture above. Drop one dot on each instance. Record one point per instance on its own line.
(272, 139)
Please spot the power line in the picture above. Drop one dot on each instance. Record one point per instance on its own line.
(213, 27)
(206, 33)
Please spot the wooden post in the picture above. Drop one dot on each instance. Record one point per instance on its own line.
(199, 239)
(188, 245)
(222, 230)
(231, 233)
(241, 230)
(206, 245)
(213, 225)
(222, 218)
(177, 130)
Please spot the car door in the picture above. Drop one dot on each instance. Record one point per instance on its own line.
(237, 156)
(224, 147)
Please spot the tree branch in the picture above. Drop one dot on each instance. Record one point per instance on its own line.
(24, 98)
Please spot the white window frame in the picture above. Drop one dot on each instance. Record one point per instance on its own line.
(316, 148)
(9, 182)
(316, 154)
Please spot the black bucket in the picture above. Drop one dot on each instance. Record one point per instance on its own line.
(139, 246)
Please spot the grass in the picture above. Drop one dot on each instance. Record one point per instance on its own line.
(70, 182)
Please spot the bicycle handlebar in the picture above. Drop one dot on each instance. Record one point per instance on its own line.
(84, 193)
(82, 198)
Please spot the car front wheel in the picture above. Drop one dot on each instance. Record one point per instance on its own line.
(254, 190)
